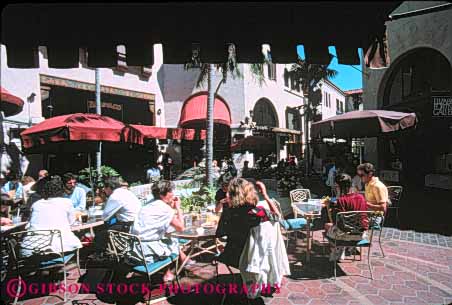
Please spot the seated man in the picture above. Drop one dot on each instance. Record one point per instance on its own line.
(122, 204)
(120, 211)
(75, 193)
(13, 187)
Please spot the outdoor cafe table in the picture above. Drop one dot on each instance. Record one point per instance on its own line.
(198, 239)
(7, 229)
(90, 224)
(307, 212)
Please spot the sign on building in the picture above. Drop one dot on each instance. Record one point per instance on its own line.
(442, 106)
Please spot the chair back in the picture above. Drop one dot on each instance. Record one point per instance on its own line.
(352, 222)
(299, 195)
(30, 248)
(278, 206)
(394, 194)
(126, 246)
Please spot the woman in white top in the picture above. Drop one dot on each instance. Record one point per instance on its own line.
(53, 212)
(161, 216)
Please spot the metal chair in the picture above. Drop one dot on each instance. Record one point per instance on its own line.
(351, 223)
(128, 251)
(31, 251)
(299, 195)
(290, 225)
(395, 193)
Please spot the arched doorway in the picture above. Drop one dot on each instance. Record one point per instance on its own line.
(265, 117)
(418, 78)
(194, 115)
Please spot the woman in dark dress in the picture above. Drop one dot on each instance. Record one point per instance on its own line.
(237, 221)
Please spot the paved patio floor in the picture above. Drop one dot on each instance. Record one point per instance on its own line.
(416, 270)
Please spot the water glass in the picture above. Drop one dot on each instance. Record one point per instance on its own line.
(203, 217)
(92, 212)
(188, 220)
(17, 219)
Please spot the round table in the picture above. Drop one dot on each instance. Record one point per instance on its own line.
(198, 239)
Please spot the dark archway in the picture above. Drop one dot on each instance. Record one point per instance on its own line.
(264, 113)
(414, 81)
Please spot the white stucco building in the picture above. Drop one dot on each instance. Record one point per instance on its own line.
(270, 105)
(129, 94)
(333, 100)
(161, 96)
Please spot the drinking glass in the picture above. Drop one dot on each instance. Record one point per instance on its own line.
(203, 216)
(17, 219)
(188, 220)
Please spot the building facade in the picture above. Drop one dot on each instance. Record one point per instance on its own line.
(271, 105)
(419, 79)
(128, 94)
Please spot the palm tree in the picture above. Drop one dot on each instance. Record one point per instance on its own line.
(309, 75)
(207, 74)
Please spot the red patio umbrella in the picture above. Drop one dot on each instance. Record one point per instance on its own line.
(73, 127)
(11, 104)
(139, 133)
(253, 143)
(362, 124)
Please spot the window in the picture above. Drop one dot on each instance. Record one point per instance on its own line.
(271, 71)
(293, 119)
(286, 77)
(121, 58)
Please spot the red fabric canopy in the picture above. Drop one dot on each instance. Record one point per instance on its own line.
(139, 133)
(73, 127)
(195, 110)
(11, 104)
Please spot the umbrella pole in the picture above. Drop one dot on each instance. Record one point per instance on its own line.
(90, 173)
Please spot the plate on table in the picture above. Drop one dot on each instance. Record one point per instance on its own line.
(209, 225)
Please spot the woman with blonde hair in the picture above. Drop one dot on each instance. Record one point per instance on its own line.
(242, 215)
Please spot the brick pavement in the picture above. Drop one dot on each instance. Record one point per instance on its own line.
(417, 269)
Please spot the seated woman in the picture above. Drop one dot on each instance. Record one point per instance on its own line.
(347, 201)
(161, 216)
(242, 215)
(53, 212)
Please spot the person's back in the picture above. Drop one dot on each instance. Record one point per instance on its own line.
(126, 204)
(153, 221)
(52, 213)
(353, 202)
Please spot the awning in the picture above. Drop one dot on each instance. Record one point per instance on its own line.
(253, 144)
(347, 25)
(139, 133)
(73, 127)
(361, 124)
(194, 110)
(11, 104)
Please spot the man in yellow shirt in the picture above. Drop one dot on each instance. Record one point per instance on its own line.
(376, 192)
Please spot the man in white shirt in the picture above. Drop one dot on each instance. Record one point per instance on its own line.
(121, 203)
(120, 211)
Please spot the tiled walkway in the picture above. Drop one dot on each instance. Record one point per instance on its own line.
(417, 269)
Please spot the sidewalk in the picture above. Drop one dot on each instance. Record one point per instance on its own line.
(411, 273)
